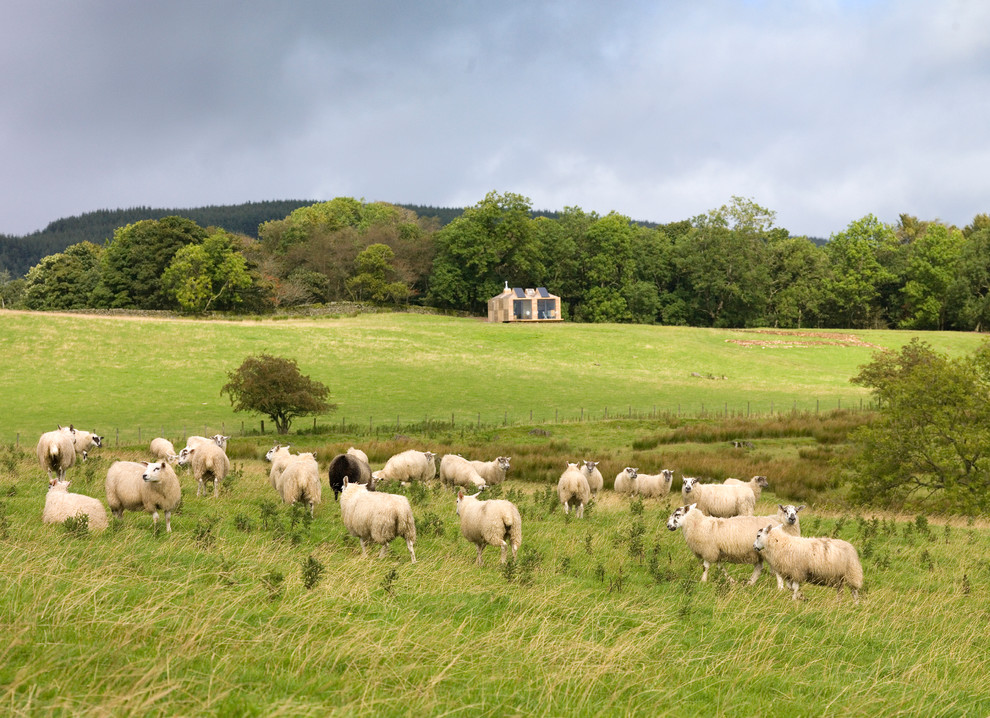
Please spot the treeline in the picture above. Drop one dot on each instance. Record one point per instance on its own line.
(730, 267)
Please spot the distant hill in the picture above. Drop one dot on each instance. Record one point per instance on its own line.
(19, 253)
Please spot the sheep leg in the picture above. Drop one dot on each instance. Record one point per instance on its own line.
(503, 552)
(168, 522)
(381, 554)
(154, 519)
(780, 582)
(704, 574)
(580, 510)
(312, 507)
(364, 551)
(566, 508)
(412, 551)
(515, 548)
(216, 487)
(481, 547)
(757, 570)
(731, 580)
(199, 487)
(796, 589)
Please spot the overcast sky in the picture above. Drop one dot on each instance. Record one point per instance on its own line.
(823, 111)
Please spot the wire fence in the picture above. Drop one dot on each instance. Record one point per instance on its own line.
(464, 421)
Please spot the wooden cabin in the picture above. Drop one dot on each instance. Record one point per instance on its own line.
(524, 305)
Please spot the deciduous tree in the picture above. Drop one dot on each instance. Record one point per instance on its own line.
(275, 387)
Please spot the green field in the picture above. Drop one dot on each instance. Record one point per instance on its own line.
(248, 609)
(121, 374)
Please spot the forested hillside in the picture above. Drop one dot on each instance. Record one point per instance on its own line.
(729, 267)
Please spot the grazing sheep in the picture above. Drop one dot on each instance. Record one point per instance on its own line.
(756, 484)
(822, 561)
(86, 440)
(495, 522)
(209, 463)
(409, 465)
(61, 505)
(377, 517)
(721, 500)
(456, 470)
(300, 481)
(357, 453)
(493, 472)
(653, 486)
(625, 481)
(714, 540)
(140, 486)
(219, 439)
(350, 467)
(572, 488)
(57, 451)
(593, 476)
(280, 457)
(163, 450)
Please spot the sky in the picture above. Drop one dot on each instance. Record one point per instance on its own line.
(822, 111)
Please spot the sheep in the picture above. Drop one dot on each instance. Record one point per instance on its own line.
(300, 481)
(162, 449)
(625, 481)
(357, 453)
(572, 487)
(86, 440)
(409, 465)
(209, 463)
(594, 477)
(57, 451)
(495, 522)
(137, 486)
(280, 457)
(714, 540)
(653, 486)
(377, 517)
(456, 470)
(822, 561)
(61, 505)
(219, 439)
(493, 472)
(720, 500)
(347, 466)
(756, 484)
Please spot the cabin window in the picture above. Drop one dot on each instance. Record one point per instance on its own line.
(546, 308)
(522, 309)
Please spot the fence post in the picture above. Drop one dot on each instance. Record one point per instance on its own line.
(116, 441)
(139, 434)
(747, 408)
(582, 413)
(262, 426)
(17, 441)
(505, 418)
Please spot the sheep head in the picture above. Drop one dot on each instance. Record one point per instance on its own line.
(688, 484)
(676, 519)
(153, 472)
(761, 537)
(790, 513)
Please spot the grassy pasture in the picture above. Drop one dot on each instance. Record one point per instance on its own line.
(247, 609)
(111, 373)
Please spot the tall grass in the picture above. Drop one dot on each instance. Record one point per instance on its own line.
(601, 616)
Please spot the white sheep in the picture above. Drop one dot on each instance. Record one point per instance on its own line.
(495, 522)
(714, 540)
(572, 488)
(137, 486)
(653, 486)
(86, 440)
(61, 505)
(625, 480)
(721, 500)
(57, 451)
(493, 472)
(594, 477)
(300, 481)
(209, 463)
(377, 517)
(219, 439)
(163, 450)
(756, 484)
(359, 454)
(456, 470)
(409, 465)
(822, 561)
(280, 456)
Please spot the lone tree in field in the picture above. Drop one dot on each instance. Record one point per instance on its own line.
(273, 386)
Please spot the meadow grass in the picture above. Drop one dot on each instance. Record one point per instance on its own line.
(118, 375)
(248, 608)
